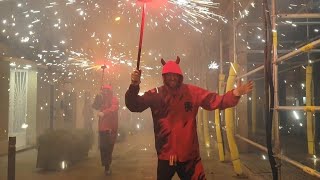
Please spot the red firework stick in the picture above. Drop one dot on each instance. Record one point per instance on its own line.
(141, 31)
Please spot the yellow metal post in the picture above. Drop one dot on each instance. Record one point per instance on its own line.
(229, 113)
(310, 123)
(254, 109)
(217, 121)
(199, 126)
(206, 128)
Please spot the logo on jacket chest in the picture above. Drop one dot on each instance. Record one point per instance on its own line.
(188, 106)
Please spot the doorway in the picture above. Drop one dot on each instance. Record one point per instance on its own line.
(18, 106)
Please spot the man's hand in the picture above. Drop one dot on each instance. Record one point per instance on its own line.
(135, 77)
(100, 114)
(243, 89)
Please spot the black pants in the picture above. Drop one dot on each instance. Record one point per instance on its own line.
(189, 170)
(106, 144)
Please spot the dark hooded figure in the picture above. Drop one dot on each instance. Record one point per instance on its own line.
(108, 106)
(174, 108)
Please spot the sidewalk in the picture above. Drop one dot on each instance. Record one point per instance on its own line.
(133, 159)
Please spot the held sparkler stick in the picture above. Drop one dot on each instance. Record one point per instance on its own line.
(98, 100)
(141, 31)
(103, 67)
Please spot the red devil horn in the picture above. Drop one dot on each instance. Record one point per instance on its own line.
(162, 61)
(178, 60)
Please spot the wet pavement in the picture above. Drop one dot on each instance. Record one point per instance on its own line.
(135, 158)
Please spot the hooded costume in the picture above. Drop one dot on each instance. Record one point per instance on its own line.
(108, 124)
(110, 107)
(174, 115)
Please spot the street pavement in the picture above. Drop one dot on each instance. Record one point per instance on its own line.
(133, 159)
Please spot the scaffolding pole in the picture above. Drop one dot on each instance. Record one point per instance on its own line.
(304, 48)
(298, 108)
(217, 117)
(205, 121)
(254, 110)
(306, 169)
(252, 143)
(310, 120)
(300, 16)
(301, 23)
(251, 72)
(277, 145)
(284, 51)
(230, 129)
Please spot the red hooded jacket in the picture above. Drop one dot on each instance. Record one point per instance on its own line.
(174, 117)
(109, 107)
(174, 114)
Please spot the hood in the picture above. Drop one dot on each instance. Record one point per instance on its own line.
(172, 66)
(107, 87)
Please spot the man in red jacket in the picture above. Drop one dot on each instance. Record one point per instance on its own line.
(108, 105)
(174, 109)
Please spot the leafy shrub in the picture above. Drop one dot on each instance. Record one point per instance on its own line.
(57, 146)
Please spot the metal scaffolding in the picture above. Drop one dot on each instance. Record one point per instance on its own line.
(276, 61)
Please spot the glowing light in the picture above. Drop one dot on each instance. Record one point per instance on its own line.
(24, 126)
(13, 64)
(296, 115)
(264, 157)
(141, 93)
(64, 165)
(213, 65)
(27, 66)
